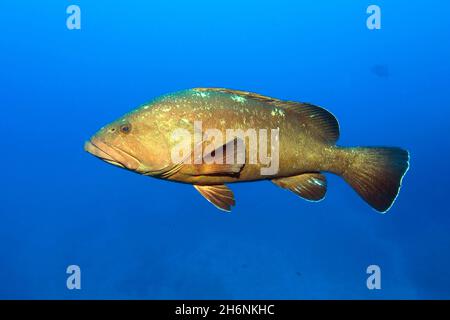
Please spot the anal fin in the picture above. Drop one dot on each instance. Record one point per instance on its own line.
(310, 186)
(219, 195)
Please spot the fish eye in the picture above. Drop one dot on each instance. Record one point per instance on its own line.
(125, 128)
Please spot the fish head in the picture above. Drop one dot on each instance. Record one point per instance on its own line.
(132, 142)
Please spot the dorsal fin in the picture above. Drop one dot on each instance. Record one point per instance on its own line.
(319, 118)
(245, 94)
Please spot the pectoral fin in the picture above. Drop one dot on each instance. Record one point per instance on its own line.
(310, 186)
(226, 160)
(230, 161)
(219, 195)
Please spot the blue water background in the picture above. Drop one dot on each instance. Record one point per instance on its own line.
(137, 237)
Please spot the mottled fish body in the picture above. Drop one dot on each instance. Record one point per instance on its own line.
(297, 142)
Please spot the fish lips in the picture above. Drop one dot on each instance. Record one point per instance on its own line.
(111, 154)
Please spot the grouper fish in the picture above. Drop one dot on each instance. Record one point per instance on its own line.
(208, 137)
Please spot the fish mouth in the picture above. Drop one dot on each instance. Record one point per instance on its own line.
(110, 154)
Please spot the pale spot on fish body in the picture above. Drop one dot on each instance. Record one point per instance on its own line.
(277, 112)
(201, 94)
(238, 99)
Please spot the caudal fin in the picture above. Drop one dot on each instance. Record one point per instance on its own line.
(376, 174)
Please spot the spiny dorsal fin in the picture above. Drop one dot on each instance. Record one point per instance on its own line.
(219, 195)
(310, 186)
(245, 94)
(319, 118)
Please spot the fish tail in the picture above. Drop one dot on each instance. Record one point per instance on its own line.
(375, 173)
